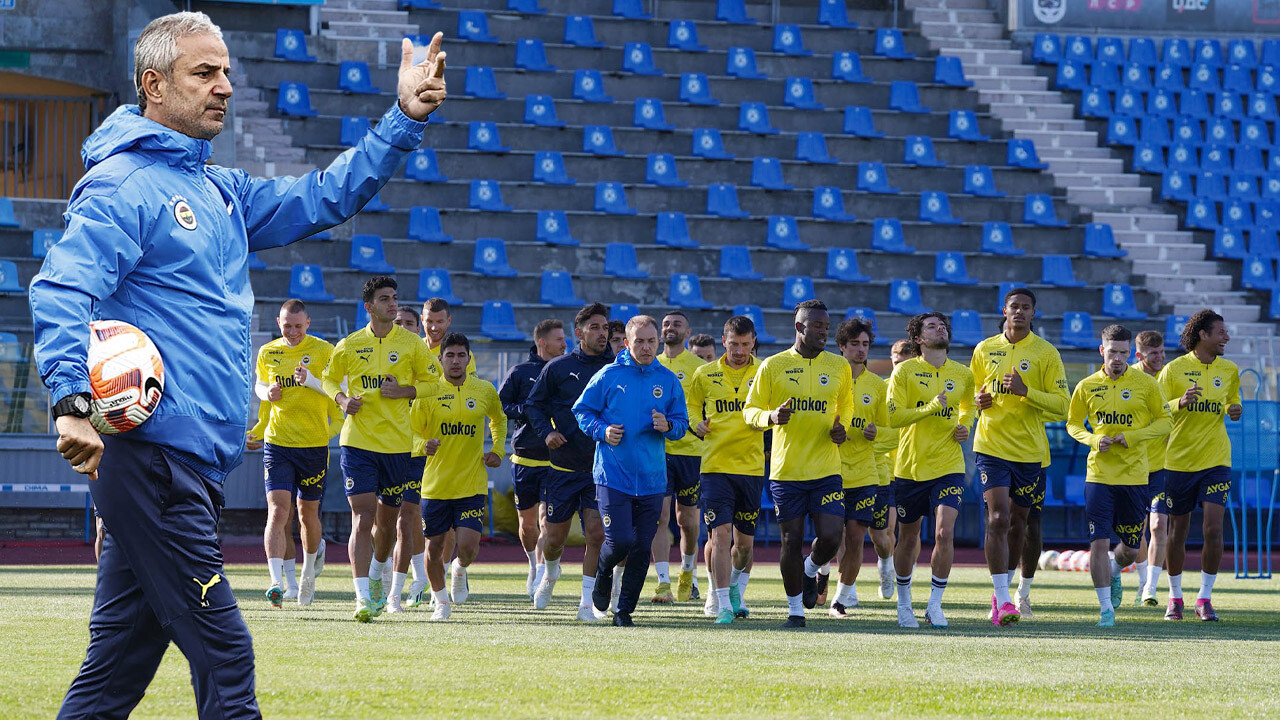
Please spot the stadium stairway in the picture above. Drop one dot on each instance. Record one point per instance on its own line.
(1169, 260)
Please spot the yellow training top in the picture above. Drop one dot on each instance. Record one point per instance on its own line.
(301, 417)
(820, 389)
(927, 449)
(1130, 405)
(1013, 427)
(859, 466)
(1155, 448)
(1199, 439)
(455, 416)
(717, 393)
(684, 366)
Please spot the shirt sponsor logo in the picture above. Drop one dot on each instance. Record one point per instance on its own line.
(809, 405)
(458, 428)
(1107, 417)
(728, 406)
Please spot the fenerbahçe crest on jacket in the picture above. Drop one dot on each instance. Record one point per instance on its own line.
(821, 388)
(1199, 438)
(1130, 405)
(927, 448)
(717, 394)
(455, 416)
(301, 417)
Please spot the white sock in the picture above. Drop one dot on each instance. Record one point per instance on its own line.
(1141, 567)
(362, 588)
(937, 586)
(441, 596)
(1206, 585)
(291, 573)
(795, 605)
(553, 569)
(1116, 570)
(419, 565)
(734, 574)
(664, 571)
(824, 569)
(904, 590)
(743, 577)
(1000, 581)
(309, 564)
(722, 597)
(1104, 598)
(884, 564)
(1024, 587)
(1153, 577)
(843, 592)
(810, 568)
(397, 584)
(541, 569)
(588, 585)
(688, 562)
(276, 567)
(1009, 577)
(533, 558)
(1175, 586)
(375, 569)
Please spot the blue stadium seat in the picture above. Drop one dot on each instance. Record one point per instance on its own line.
(1142, 50)
(528, 7)
(798, 93)
(483, 135)
(1100, 241)
(1118, 302)
(620, 261)
(1148, 157)
(795, 290)
(580, 31)
(660, 169)
(997, 239)
(473, 25)
(306, 282)
(1262, 242)
(828, 204)
(1202, 214)
(557, 290)
(1211, 185)
(1070, 76)
(42, 240)
(622, 312)
(1176, 51)
(1204, 77)
(1183, 155)
(735, 263)
(1078, 48)
(1038, 210)
(812, 147)
(375, 204)
(362, 315)
(949, 267)
(867, 315)
(1136, 76)
(832, 13)
(873, 178)
(754, 117)
(1229, 243)
(842, 264)
(858, 121)
(487, 195)
(1169, 77)
(611, 198)
(672, 230)
(1077, 330)
(904, 96)
(1057, 270)
(707, 143)
(531, 55)
(686, 292)
(1262, 106)
(1254, 132)
(7, 218)
(632, 10)
(788, 41)
(1237, 213)
(292, 45)
(1003, 290)
(722, 201)
(498, 320)
(1176, 185)
(637, 57)
(918, 150)
(1273, 310)
(887, 236)
(548, 167)
(294, 99)
(1109, 49)
(966, 327)
(1228, 105)
(1237, 79)
(1022, 154)
(949, 71)
(683, 35)
(254, 262)
(1258, 273)
(784, 234)
(963, 125)
(1220, 130)
(553, 228)
(980, 181)
(1129, 102)
(733, 11)
(1268, 79)
(1046, 49)
(491, 258)
(425, 225)
(588, 86)
(740, 62)
(757, 318)
(353, 77)
(846, 65)
(1194, 103)
(1208, 51)
(1162, 103)
(889, 44)
(540, 110)
(1105, 75)
(904, 297)
(766, 172)
(1173, 326)
(1122, 130)
(422, 166)
(1270, 52)
(1095, 102)
(648, 114)
(352, 129)
(598, 140)
(695, 90)
(935, 207)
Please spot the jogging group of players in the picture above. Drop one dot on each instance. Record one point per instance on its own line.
(836, 444)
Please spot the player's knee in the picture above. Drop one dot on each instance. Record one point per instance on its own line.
(943, 535)
(998, 522)
(1212, 530)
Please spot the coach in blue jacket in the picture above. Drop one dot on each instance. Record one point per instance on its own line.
(160, 239)
(630, 408)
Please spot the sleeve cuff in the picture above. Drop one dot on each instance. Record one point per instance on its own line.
(396, 126)
(63, 389)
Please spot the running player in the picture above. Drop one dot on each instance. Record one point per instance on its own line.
(801, 393)
(1200, 388)
(455, 483)
(1150, 353)
(530, 462)
(1125, 410)
(931, 399)
(384, 367)
(683, 458)
(886, 502)
(732, 465)
(411, 545)
(704, 346)
(617, 336)
(570, 487)
(1020, 379)
(436, 320)
(859, 468)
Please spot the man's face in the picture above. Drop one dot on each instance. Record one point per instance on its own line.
(1018, 312)
(293, 326)
(1115, 356)
(553, 345)
(193, 97)
(706, 352)
(899, 355)
(855, 351)
(593, 335)
(1216, 339)
(934, 335)
(675, 330)
(1152, 358)
(454, 359)
(437, 324)
(617, 342)
(383, 306)
(642, 340)
(738, 348)
(407, 320)
(812, 326)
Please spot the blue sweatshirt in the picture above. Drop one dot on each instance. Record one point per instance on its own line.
(626, 394)
(514, 393)
(549, 406)
(157, 238)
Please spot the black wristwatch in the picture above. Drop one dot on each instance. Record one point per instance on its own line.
(75, 405)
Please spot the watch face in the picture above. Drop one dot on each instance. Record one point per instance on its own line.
(81, 404)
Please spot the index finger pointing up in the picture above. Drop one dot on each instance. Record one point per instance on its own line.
(433, 48)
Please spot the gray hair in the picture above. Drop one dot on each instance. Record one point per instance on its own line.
(157, 47)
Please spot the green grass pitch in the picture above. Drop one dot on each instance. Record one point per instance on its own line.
(499, 658)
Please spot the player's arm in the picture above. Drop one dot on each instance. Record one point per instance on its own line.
(1161, 422)
(420, 416)
(509, 396)
(336, 418)
(693, 402)
(677, 412)
(335, 372)
(537, 407)
(1169, 391)
(589, 409)
(497, 419)
(844, 396)
(259, 429)
(967, 406)
(901, 411)
(1054, 399)
(886, 437)
(425, 381)
(1077, 413)
(759, 405)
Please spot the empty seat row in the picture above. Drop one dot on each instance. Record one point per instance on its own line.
(1140, 78)
(1097, 102)
(1051, 49)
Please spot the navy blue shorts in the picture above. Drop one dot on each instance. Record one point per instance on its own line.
(796, 498)
(731, 498)
(300, 471)
(366, 471)
(1158, 501)
(860, 504)
(1184, 490)
(441, 516)
(1025, 480)
(1118, 509)
(413, 480)
(1042, 488)
(886, 502)
(683, 476)
(917, 499)
(528, 482)
(566, 493)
